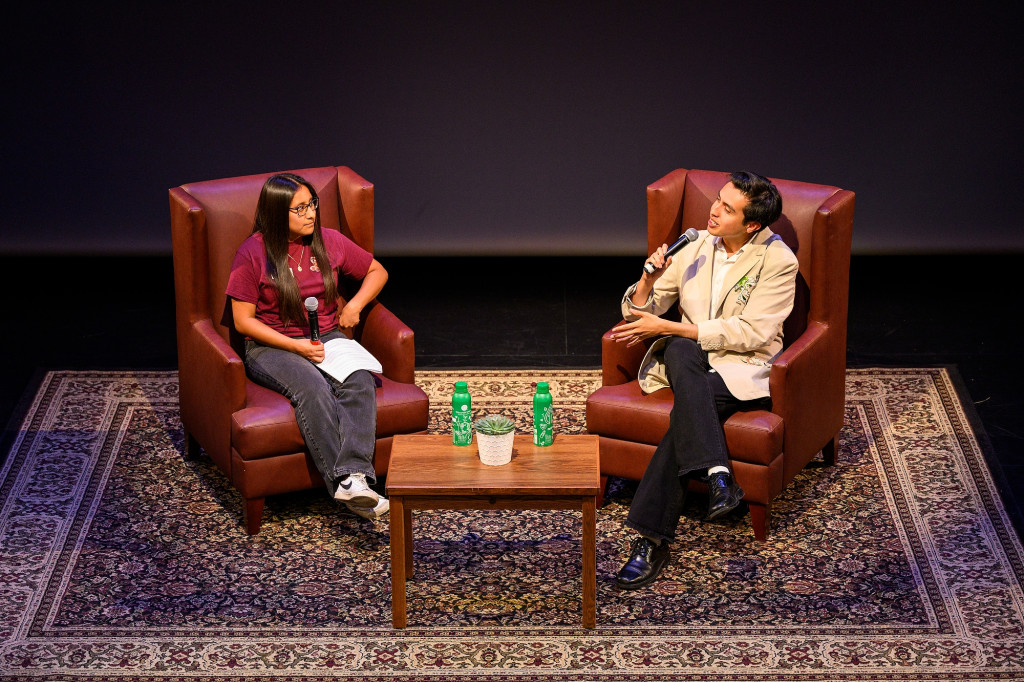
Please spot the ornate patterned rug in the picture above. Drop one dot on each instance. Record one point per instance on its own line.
(120, 560)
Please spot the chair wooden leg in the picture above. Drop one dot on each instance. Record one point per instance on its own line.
(760, 518)
(252, 514)
(600, 495)
(828, 453)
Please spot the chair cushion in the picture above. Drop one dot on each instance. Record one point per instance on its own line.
(266, 426)
(754, 437)
(624, 412)
(401, 408)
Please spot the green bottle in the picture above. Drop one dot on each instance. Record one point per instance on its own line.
(543, 418)
(462, 415)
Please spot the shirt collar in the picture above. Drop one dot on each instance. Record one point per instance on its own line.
(720, 248)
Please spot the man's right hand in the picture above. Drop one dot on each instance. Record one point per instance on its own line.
(646, 282)
(659, 262)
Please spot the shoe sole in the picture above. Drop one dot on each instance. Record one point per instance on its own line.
(360, 499)
(369, 514)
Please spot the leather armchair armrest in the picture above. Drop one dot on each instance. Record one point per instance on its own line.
(805, 354)
(213, 359)
(211, 388)
(619, 363)
(813, 408)
(390, 341)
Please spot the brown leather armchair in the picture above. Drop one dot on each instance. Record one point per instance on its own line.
(766, 449)
(250, 431)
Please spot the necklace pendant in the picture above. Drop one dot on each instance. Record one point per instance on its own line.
(300, 268)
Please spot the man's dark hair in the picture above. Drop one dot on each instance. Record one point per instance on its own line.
(765, 202)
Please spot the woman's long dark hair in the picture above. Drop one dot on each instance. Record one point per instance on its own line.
(272, 222)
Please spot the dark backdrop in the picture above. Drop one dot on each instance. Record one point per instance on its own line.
(510, 128)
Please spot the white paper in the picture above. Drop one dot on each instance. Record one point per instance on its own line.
(342, 356)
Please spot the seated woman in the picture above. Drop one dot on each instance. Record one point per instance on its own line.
(287, 259)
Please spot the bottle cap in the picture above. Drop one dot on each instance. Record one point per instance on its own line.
(542, 387)
(460, 385)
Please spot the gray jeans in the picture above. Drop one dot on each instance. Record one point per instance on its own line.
(338, 420)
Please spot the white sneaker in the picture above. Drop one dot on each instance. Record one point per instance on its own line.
(354, 491)
(373, 514)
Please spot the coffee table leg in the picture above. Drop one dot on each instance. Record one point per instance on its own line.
(590, 562)
(398, 562)
(407, 522)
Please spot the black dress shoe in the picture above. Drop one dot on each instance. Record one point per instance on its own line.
(723, 495)
(646, 560)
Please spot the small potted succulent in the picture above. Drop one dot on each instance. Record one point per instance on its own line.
(494, 436)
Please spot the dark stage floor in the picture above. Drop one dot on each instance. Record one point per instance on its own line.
(118, 312)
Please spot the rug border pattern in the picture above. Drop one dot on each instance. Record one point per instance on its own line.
(943, 649)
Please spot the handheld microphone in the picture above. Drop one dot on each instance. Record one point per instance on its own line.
(687, 237)
(314, 323)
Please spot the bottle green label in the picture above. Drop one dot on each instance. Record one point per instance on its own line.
(462, 419)
(543, 421)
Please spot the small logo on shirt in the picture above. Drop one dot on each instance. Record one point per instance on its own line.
(312, 264)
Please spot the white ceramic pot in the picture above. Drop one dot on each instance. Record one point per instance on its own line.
(495, 450)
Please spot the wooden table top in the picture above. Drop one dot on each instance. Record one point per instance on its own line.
(432, 465)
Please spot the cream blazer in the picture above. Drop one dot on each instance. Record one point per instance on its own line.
(744, 335)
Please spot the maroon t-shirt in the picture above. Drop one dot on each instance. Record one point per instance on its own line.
(249, 281)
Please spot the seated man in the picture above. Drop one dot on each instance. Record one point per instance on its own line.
(734, 286)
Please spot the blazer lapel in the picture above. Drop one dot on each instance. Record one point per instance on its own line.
(706, 259)
(749, 260)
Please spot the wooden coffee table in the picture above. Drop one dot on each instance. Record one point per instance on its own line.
(428, 472)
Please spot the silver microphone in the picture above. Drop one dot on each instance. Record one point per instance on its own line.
(314, 323)
(687, 237)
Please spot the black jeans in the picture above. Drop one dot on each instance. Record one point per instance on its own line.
(693, 444)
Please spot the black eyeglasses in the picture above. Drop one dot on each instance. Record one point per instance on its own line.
(301, 209)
